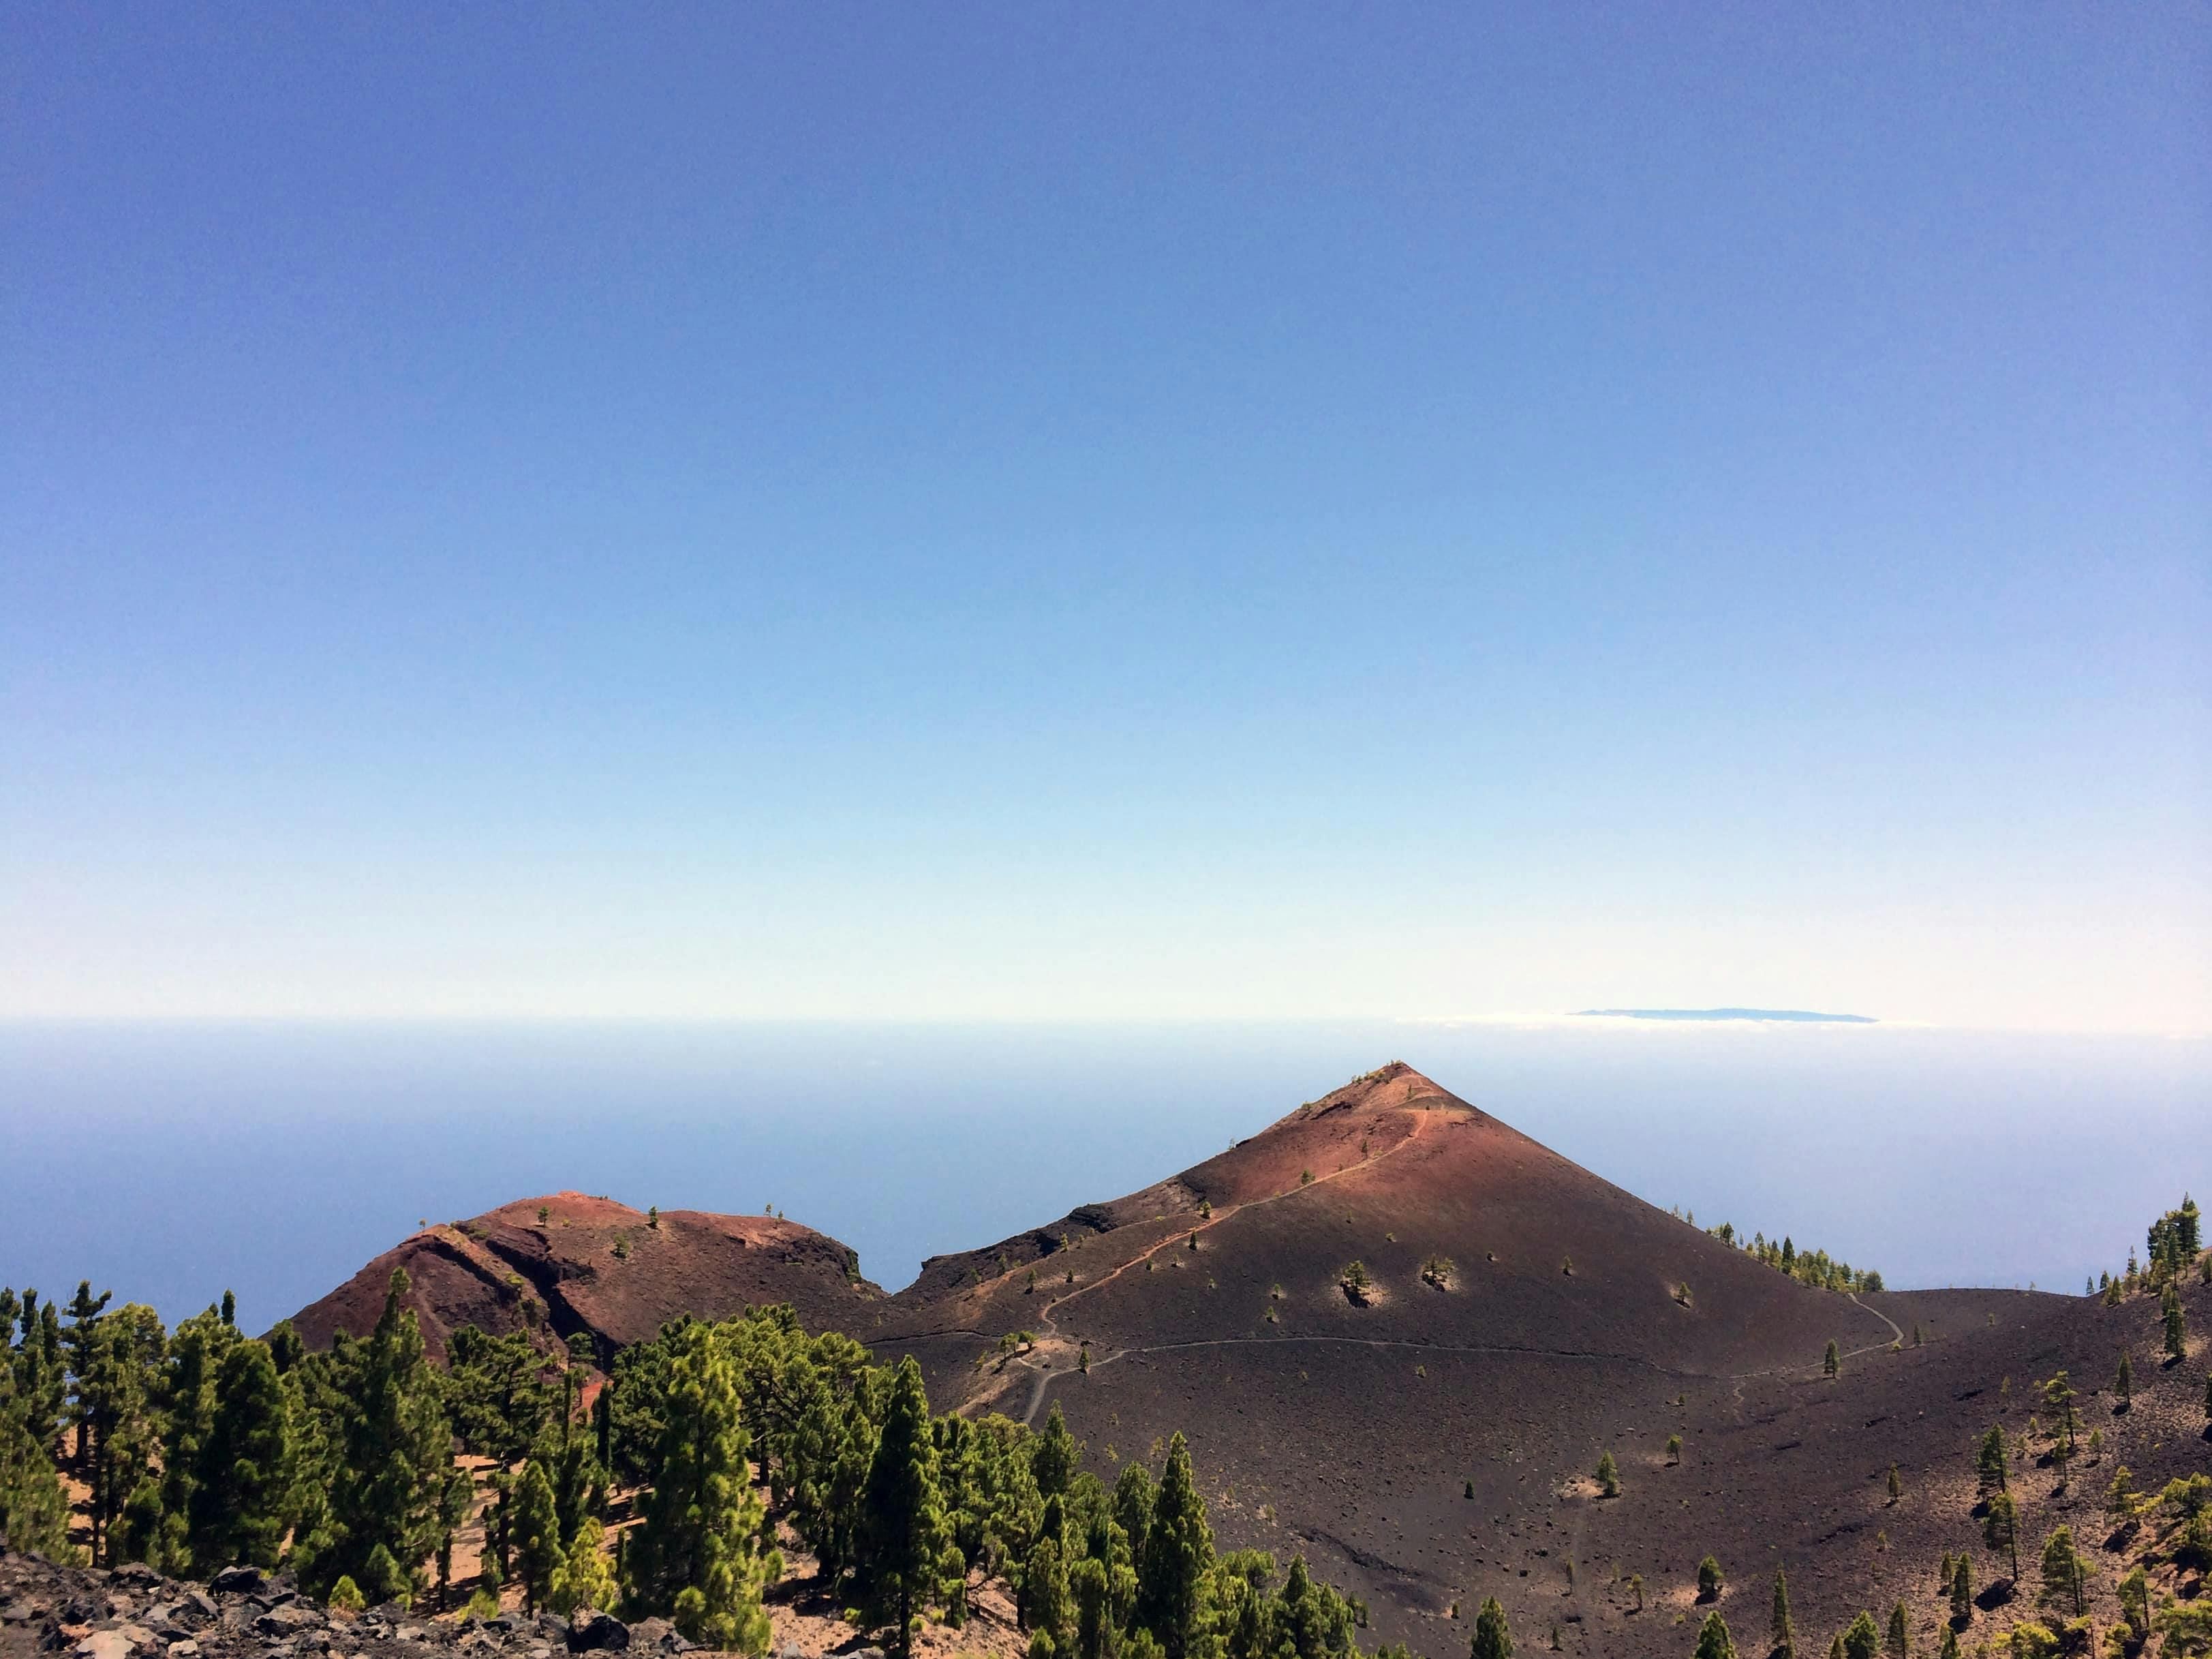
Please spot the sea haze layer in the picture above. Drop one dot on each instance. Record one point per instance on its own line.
(1798, 1016)
(169, 1162)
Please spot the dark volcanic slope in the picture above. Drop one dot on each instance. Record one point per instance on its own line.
(508, 1270)
(1351, 1433)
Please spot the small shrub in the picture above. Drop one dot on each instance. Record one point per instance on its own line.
(1711, 1579)
(345, 1595)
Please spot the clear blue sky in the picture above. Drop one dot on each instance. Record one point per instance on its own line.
(1059, 513)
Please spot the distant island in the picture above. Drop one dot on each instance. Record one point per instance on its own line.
(1797, 1014)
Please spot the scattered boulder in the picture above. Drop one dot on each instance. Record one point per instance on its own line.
(287, 1618)
(240, 1580)
(105, 1644)
(601, 1632)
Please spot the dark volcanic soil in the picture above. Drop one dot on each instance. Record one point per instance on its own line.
(508, 1270)
(1520, 1316)
(1350, 1432)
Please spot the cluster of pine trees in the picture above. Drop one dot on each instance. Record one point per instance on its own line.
(1814, 1268)
(904, 1510)
(202, 1447)
(2173, 1243)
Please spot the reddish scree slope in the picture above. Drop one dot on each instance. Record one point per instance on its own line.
(506, 1270)
(1434, 1445)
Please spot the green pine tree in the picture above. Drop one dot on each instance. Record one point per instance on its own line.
(1782, 1636)
(1831, 1362)
(1860, 1639)
(1897, 1640)
(1608, 1476)
(2001, 1529)
(33, 1506)
(2123, 1384)
(1710, 1579)
(1713, 1639)
(1989, 1476)
(585, 1577)
(393, 1450)
(536, 1526)
(2063, 1570)
(1494, 1639)
(242, 1485)
(702, 1554)
(2177, 1324)
(1962, 1590)
(905, 1535)
(1055, 1456)
(1177, 1559)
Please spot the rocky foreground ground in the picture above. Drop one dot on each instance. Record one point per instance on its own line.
(134, 1613)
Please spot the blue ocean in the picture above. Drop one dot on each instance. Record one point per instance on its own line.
(170, 1162)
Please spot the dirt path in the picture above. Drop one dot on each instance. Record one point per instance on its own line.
(1041, 1375)
(1048, 1322)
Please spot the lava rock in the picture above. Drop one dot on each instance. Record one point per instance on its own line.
(601, 1632)
(105, 1644)
(240, 1580)
(287, 1618)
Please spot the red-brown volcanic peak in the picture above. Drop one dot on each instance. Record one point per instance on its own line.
(1432, 1440)
(1402, 1176)
(1321, 1138)
(571, 1262)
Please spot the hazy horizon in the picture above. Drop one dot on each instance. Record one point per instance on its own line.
(277, 1160)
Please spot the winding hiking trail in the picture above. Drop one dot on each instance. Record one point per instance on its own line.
(1048, 1322)
(1042, 1373)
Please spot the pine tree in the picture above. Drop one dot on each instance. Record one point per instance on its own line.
(904, 1532)
(1493, 1638)
(1047, 1608)
(119, 1406)
(197, 1349)
(1710, 1579)
(33, 1506)
(2177, 1324)
(242, 1485)
(701, 1555)
(1989, 1476)
(1948, 1645)
(537, 1547)
(1897, 1640)
(1608, 1476)
(1896, 1485)
(1713, 1640)
(1962, 1590)
(585, 1577)
(393, 1454)
(1055, 1456)
(80, 1344)
(1860, 1639)
(1178, 1557)
(2001, 1529)
(1089, 1586)
(2123, 1384)
(2063, 1570)
(1782, 1636)
(1831, 1362)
